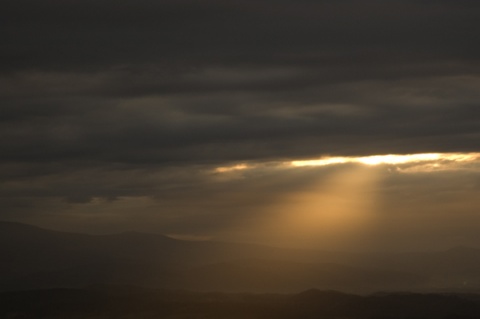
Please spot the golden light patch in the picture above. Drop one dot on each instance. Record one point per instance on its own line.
(415, 162)
(237, 167)
(390, 159)
(337, 210)
(340, 209)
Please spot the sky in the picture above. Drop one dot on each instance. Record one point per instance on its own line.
(248, 121)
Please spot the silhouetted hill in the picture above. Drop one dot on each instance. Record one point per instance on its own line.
(457, 268)
(134, 302)
(263, 275)
(40, 258)
(33, 257)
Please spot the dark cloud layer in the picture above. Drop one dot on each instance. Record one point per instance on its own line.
(112, 99)
(95, 34)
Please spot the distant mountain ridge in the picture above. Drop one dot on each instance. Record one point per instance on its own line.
(112, 301)
(33, 257)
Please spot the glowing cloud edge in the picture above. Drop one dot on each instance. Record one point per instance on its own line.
(436, 159)
(392, 159)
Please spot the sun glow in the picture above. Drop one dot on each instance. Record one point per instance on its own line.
(338, 209)
(414, 162)
(342, 207)
(391, 159)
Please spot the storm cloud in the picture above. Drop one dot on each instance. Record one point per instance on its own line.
(107, 100)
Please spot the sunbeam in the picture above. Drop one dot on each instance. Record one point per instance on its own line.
(332, 213)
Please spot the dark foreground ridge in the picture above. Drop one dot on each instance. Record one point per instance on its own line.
(133, 302)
